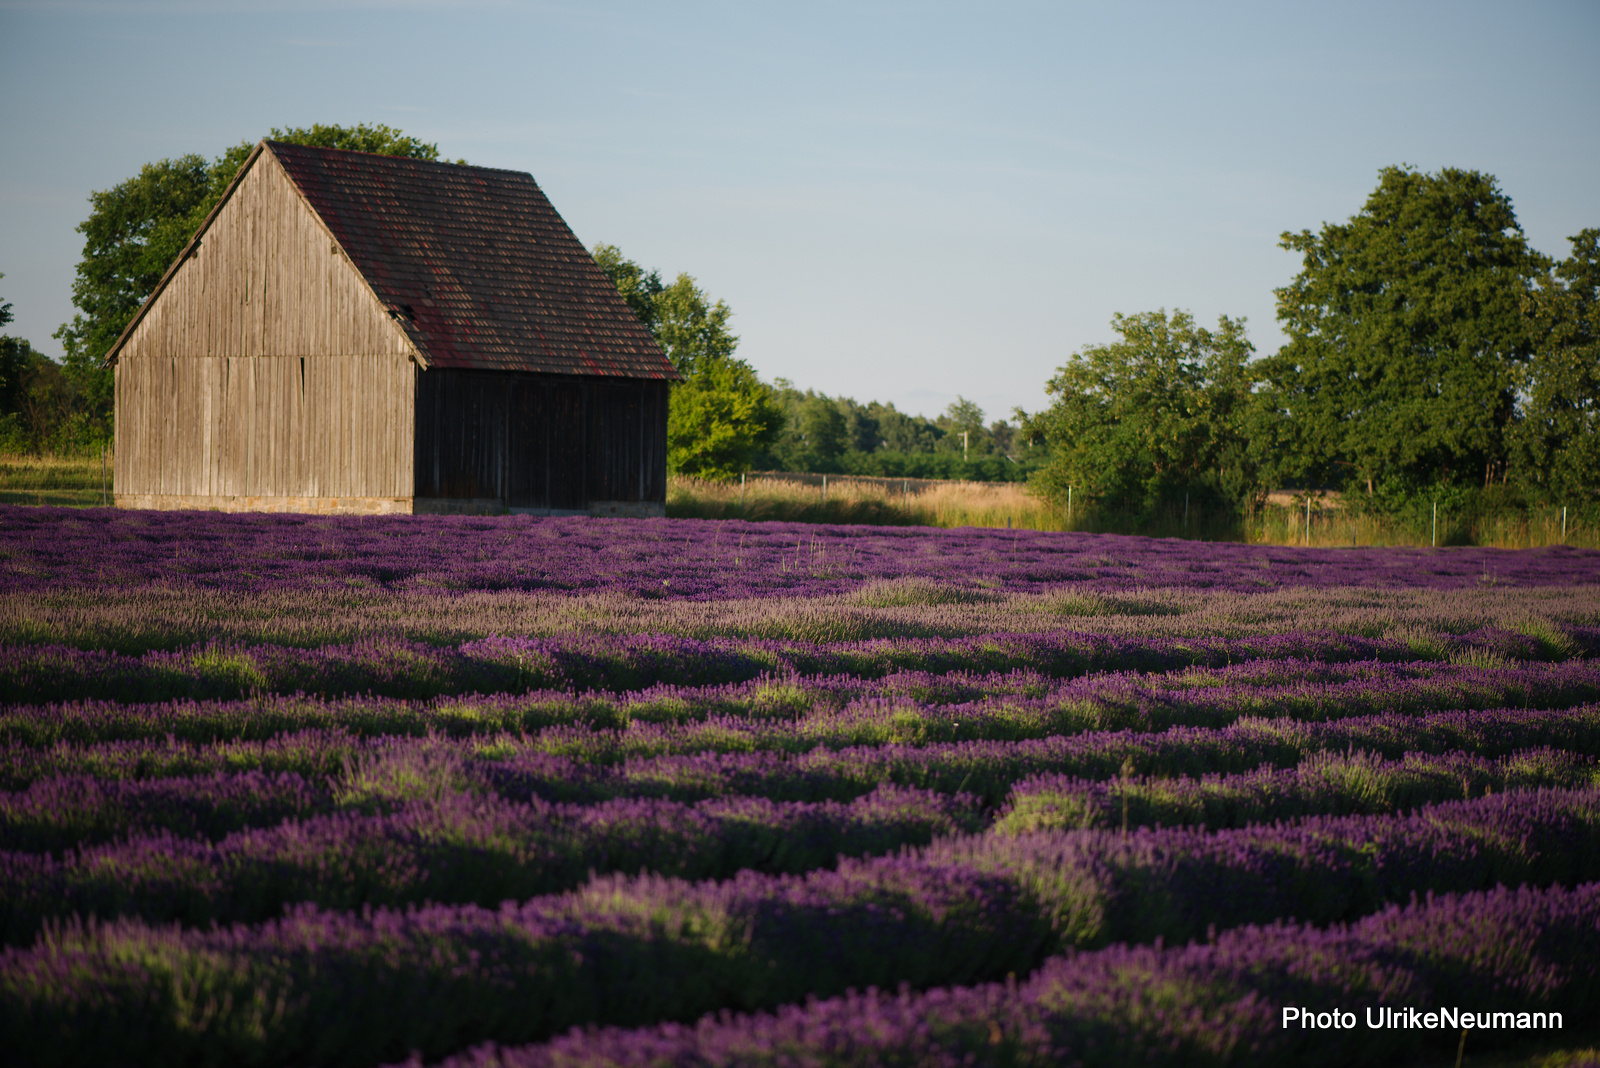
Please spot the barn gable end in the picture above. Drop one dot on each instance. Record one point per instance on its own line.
(265, 374)
(265, 276)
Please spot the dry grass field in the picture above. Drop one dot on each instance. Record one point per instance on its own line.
(914, 502)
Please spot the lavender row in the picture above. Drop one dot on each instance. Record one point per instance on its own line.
(59, 813)
(722, 757)
(904, 707)
(1327, 784)
(552, 766)
(351, 987)
(1499, 956)
(458, 848)
(36, 673)
(43, 550)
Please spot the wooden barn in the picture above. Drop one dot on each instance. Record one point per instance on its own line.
(350, 332)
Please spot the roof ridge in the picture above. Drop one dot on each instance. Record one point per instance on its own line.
(297, 147)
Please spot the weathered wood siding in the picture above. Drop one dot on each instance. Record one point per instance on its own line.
(266, 369)
(541, 442)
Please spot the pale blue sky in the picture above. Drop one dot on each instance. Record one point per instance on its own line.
(900, 202)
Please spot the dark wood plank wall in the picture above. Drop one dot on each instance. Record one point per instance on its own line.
(540, 441)
(266, 368)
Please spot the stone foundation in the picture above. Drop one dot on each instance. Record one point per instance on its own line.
(308, 505)
(379, 505)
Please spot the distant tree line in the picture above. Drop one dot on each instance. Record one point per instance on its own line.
(839, 435)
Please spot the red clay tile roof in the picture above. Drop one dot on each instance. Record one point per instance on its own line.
(475, 264)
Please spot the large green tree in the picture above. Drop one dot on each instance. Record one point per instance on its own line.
(1161, 412)
(1406, 333)
(1555, 444)
(721, 414)
(137, 228)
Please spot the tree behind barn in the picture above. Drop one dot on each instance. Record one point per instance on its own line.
(721, 414)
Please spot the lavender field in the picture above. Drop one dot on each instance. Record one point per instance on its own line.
(290, 790)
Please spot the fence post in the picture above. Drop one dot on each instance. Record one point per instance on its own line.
(1435, 544)
(824, 489)
(1563, 524)
(1069, 507)
(1308, 519)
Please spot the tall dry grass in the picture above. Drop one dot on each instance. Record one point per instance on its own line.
(887, 502)
(73, 481)
(1333, 526)
(999, 504)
